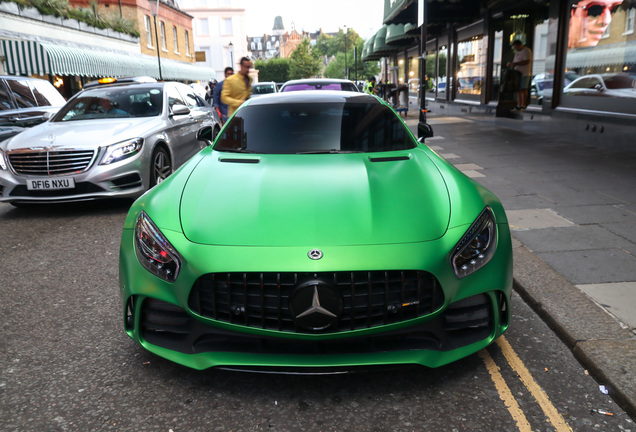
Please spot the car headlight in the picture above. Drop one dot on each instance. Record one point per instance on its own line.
(477, 246)
(154, 251)
(122, 150)
(3, 161)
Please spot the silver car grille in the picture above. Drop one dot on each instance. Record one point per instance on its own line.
(55, 162)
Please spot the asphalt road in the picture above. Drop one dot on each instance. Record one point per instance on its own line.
(67, 365)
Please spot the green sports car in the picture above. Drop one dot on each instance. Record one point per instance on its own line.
(315, 233)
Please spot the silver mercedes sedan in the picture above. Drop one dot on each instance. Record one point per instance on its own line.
(114, 140)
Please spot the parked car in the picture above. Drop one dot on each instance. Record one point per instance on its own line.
(604, 85)
(111, 140)
(263, 88)
(24, 101)
(543, 81)
(315, 232)
(319, 84)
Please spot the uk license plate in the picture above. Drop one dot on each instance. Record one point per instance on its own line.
(51, 184)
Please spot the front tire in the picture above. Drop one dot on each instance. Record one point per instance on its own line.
(160, 167)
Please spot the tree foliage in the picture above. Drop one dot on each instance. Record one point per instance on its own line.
(304, 62)
(364, 70)
(275, 69)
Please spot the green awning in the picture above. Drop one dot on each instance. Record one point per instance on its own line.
(380, 46)
(412, 29)
(396, 36)
(40, 58)
(367, 51)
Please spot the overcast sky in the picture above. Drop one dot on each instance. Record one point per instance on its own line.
(364, 16)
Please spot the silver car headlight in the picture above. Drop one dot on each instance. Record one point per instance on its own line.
(3, 161)
(122, 150)
(477, 246)
(154, 251)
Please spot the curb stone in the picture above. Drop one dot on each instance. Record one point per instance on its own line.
(598, 341)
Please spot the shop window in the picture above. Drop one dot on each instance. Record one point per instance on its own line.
(414, 78)
(441, 78)
(430, 74)
(600, 71)
(541, 81)
(471, 67)
(496, 65)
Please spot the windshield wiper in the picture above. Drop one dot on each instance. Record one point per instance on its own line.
(332, 151)
(238, 151)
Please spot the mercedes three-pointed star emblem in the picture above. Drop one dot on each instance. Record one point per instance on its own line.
(315, 307)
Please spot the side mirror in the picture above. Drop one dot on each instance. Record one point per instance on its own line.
(206, 133)
(179, 109)
(47, 115)
(424, 130)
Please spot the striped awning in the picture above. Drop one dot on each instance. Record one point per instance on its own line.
(604, 55)
(40, 58)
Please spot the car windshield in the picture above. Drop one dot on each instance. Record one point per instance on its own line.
(296, 128)
(113, 102)
(319, 86)
(263, 89)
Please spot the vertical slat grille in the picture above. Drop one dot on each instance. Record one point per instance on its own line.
(370, 299)
(51, 162)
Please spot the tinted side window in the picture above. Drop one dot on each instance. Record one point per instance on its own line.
(22, 92)
(45, 94)
(6, 103)
(586, 83)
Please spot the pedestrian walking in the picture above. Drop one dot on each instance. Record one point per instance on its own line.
(209, 90)
(238, 87)
(221, 108)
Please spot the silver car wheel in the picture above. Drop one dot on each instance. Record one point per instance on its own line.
(161, 166)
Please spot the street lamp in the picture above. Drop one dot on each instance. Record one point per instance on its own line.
(155, 12)
(231, 54)
(345, 35)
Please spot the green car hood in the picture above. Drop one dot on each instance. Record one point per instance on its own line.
(315, 200)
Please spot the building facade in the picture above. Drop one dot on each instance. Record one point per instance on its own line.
(69, 53)
(219, 32)
(583, 68)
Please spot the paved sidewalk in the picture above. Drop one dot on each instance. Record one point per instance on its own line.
(572, 211)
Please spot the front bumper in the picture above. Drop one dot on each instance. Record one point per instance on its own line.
(160, 316)
(123, 179)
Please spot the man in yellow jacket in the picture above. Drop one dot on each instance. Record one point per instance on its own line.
(238, 87)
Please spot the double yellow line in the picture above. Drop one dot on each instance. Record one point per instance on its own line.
(553, 416)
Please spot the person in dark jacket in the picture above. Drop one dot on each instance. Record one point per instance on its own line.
(216, 99)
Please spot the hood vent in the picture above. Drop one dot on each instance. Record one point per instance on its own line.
(239, 160)
(389, 159)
